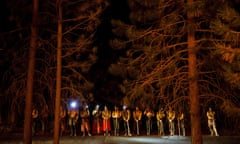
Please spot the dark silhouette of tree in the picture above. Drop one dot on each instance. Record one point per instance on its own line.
(58, 75)
(30, 76)
(196, 132)
(225, 26)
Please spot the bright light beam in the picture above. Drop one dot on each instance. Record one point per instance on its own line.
(73, 104)
(149, 140)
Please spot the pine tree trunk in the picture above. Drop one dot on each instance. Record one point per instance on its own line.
(196, 133)
(31, 65)
(58, 75)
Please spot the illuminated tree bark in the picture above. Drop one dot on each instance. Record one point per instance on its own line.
(30, 76)
(193, 82)
(58, 74)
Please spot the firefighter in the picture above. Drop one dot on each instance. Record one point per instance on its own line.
(116, 115)
(137, 116)
(149, 115)
(85, 125)
(34, 120)
(62, 119)
(106, 115)
(160, 115)
(73, 115)
(96, 113)
(181, 127)
(171, 116)
(211, 122)
(126, 115)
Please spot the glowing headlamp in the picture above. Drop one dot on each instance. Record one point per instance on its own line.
(73, 104)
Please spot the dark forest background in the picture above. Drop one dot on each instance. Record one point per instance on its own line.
(121, 52)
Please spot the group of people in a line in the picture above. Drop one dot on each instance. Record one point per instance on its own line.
(117, 121)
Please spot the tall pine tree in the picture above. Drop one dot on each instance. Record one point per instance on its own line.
(226, 30)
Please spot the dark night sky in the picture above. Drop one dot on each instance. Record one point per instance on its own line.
(4, 17)
(103, 80)
(118, 10)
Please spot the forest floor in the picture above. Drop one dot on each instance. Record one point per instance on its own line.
(15, 136)
(153, 139)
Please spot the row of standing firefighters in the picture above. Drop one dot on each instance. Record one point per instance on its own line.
(102, 121)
